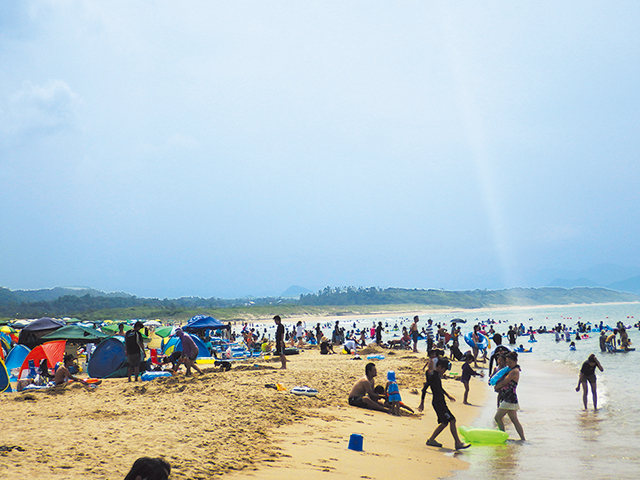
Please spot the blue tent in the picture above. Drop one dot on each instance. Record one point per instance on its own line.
(176, 343)
(5, 386)
(204, 322)
(16, 357)
(109, 359)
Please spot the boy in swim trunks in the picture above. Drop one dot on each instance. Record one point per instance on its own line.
(445, 417)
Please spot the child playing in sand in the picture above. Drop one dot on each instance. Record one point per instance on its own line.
(467, 373)
(380, 391)
(393, 393)
(445, 417)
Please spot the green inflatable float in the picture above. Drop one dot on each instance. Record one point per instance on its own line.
(485, 436)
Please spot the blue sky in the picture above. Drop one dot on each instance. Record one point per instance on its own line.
(237, 148)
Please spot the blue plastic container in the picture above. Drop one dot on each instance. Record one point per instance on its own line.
(355, 442)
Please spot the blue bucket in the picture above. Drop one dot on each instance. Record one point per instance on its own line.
(355, 442)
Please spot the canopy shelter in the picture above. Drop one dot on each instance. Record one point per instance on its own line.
(109, 359)
(204, 322)
(30, 335)
(76, 334)
(53, 352)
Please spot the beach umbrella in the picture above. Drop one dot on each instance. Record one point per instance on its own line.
(76, 334)
(113, 328)
(152, 323)
(7, 329)
(165, 332)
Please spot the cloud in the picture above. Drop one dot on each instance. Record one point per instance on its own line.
(39, 109)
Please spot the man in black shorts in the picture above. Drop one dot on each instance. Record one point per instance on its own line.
(445, 417)
(134, 349)
(362, 394)
(280, 342)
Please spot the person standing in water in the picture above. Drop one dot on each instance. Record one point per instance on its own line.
(588, 374)
(507, 397)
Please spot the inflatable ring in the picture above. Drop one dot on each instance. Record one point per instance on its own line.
(484, 341)
(499, 375)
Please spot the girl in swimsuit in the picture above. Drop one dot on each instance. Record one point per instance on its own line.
(507, 397)
(588, 374)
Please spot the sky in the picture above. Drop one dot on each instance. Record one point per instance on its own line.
(231, 149)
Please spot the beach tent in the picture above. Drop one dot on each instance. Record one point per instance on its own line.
(109, 359)
(76, 334)
(30, 335)
(204, 322)
(4, 378)
(52, 351)
(15, 359)
(5, 341)
(175, 344)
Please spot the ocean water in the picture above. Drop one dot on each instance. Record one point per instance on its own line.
(563, 440)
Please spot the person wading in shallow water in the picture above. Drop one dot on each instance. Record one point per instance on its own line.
(588, 377)
(507, 397)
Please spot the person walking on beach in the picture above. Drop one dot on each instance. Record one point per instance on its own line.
(588, 374)
(280, 342)
(429, 334)
(134, 350)
(445, 417)
(507, 397)
(379, 330)
(414, 333)
(467, 373)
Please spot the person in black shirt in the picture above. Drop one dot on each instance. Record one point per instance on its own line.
(588, 374)
(445, 417)
(134, 349)
(280, 341)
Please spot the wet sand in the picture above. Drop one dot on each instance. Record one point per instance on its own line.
(229, 423)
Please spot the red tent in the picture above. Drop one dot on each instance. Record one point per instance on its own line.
(52, 351)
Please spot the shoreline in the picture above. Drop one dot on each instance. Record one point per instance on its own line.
(392, 446)
(410, 313)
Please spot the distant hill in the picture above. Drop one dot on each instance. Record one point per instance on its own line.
(629, 285)
(86, 303)
(294, 291)
(48, 294)
(614, 277)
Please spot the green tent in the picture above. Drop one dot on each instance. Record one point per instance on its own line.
(76, 334)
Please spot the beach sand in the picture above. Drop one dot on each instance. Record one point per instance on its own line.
(229, 423)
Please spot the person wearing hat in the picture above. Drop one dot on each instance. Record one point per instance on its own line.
(134, 349)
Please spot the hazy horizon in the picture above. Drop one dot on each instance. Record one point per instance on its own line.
(236, 149)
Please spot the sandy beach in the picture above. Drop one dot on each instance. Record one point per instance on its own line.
(229, 423)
